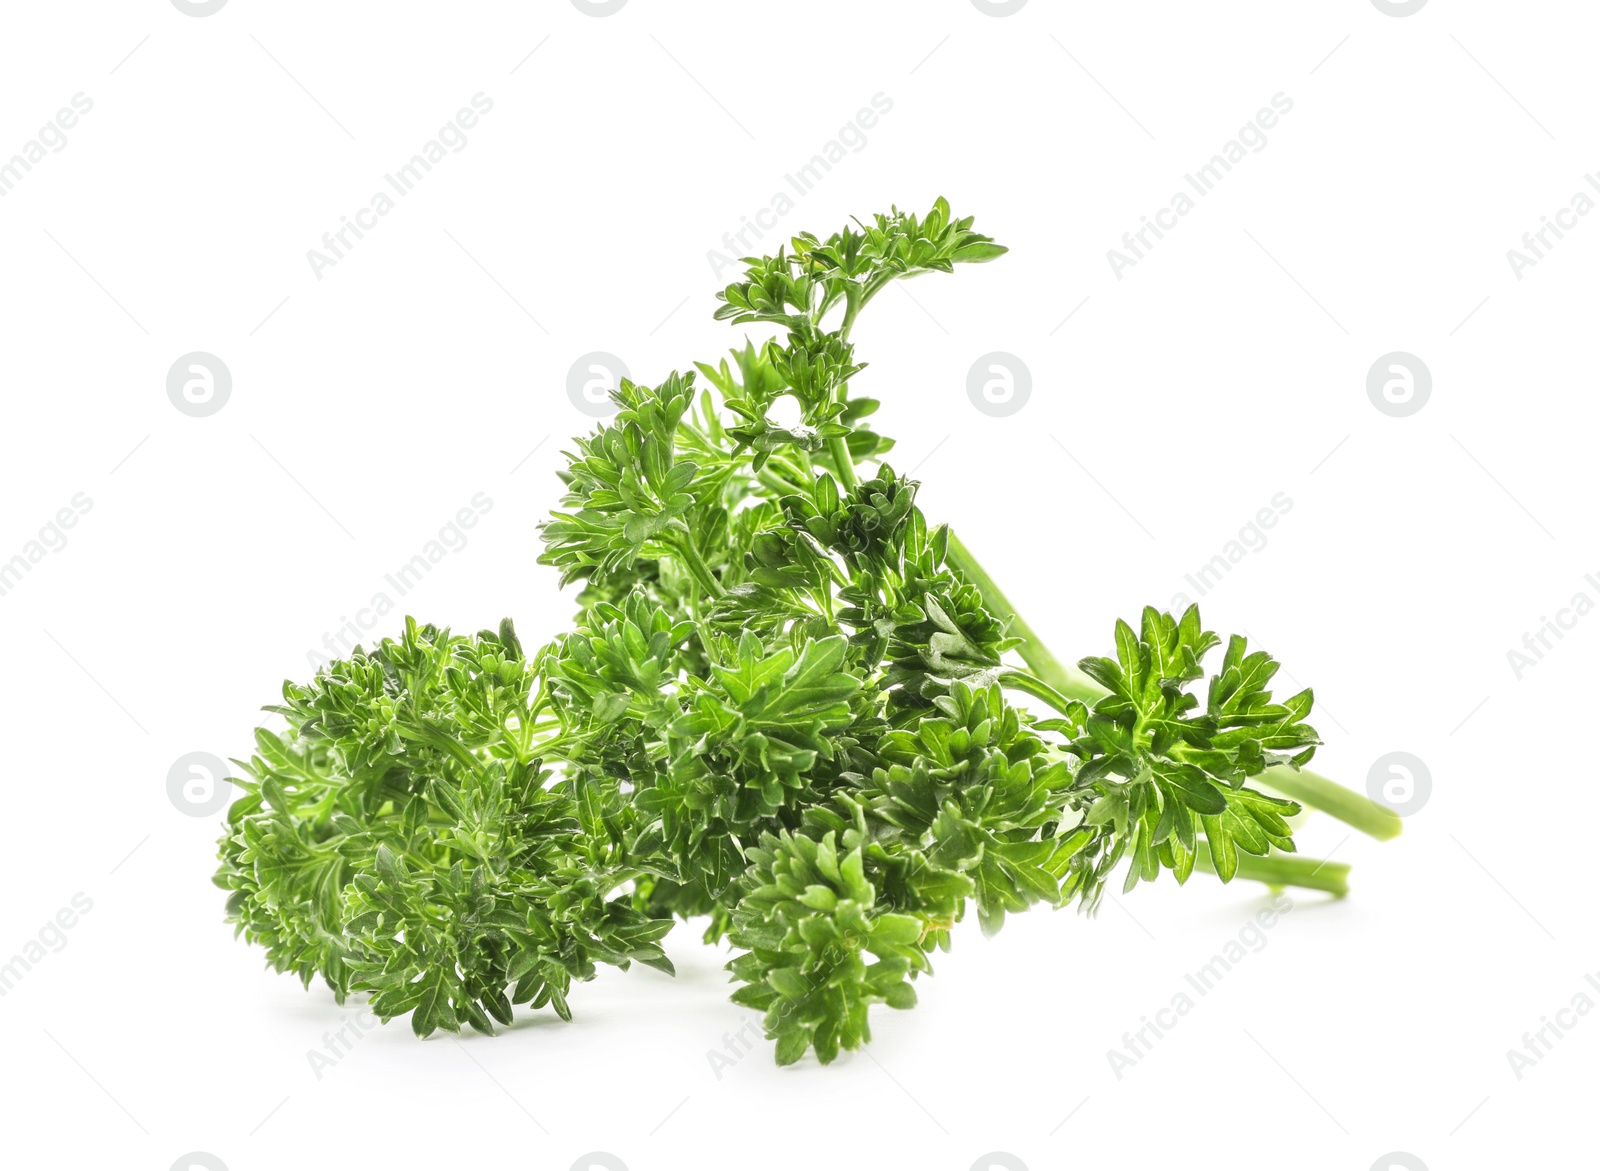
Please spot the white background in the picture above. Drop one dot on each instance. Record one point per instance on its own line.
(1230, 364)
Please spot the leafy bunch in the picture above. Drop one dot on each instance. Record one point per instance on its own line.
(786, 705)
(403, 839)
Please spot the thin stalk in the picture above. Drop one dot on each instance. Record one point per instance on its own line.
(1302, 785)
(1069, 681)
(1036, 687)
(1319, 792)
(854, 298)
(1279, 869)
(697, 566)
(838, 446)
(777, 483)
(839, 452)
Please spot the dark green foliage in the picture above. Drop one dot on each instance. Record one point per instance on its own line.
(780, 707)
(401, 838)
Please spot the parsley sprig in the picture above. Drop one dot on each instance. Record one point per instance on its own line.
(788, 704)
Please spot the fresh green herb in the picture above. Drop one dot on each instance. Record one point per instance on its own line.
(785, 706)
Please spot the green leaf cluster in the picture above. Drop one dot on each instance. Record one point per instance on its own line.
(780, 707)
(404, 839)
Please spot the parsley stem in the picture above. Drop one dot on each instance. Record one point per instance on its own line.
(698, 567)
(1301, 785)
(1069, 681)
(1332, 798)
(838, 446)
(1036, 687)
(781, 485)
(839, 452)
(1280, 869)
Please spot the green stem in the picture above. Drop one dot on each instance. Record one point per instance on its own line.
(1069, 681)
(1301, 785)
(1036, 687)
(777, 483)
(839, 446)
(839, 452)
(1319, 792)
(697, 566)
(854, 298)
(1279, 869)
